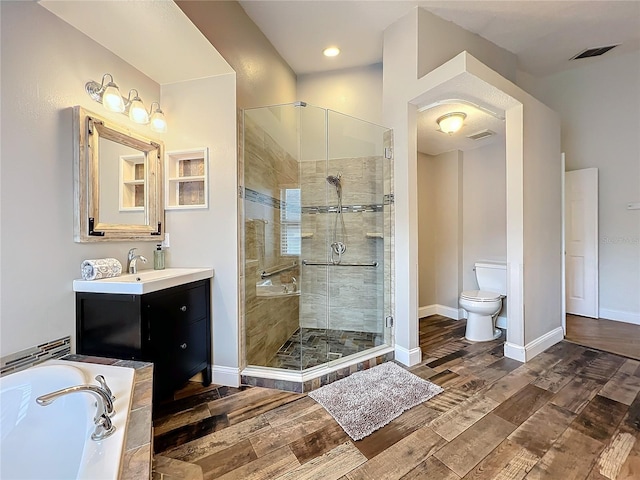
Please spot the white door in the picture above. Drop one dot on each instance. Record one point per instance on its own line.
(581, 237)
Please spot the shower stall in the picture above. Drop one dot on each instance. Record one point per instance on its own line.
(316, 216)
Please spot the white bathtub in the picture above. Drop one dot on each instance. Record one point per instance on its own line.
(53, 442)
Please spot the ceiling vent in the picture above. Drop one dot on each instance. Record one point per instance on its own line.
(482, 134)
(593, 52)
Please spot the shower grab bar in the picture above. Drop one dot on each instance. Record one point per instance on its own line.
(274, 270)
(329, 264)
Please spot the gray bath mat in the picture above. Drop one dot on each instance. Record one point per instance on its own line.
(368, 400)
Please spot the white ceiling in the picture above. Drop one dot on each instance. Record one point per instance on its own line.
(433, 142)
(116, 26)
(543, 34)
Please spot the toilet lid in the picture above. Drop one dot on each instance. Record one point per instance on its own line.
(480, 295)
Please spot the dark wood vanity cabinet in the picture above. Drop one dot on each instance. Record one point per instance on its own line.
(171, 328)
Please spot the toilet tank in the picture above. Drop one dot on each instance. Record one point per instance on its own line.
(492, 276)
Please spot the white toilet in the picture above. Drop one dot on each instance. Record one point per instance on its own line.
(484, 305)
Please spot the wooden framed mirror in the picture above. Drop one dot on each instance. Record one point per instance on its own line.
(118, 182)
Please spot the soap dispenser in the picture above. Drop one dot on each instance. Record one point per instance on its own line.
(158, 258)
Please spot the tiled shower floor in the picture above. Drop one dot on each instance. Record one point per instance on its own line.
(309, 347)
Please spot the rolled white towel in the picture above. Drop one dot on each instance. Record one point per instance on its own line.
(100, 268)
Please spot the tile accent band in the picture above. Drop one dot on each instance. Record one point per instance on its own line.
(14, 362)
(261, 198)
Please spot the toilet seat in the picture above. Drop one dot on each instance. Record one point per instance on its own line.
(480, 296)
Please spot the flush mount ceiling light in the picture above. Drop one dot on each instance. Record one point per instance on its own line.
(108, 94)
(331, 51)
(451, 122)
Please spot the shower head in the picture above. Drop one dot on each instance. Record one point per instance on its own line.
(334, 180)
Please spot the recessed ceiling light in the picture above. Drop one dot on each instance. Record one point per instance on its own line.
(331, 51)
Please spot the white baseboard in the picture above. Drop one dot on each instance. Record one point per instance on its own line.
(449, 312)
(426, 311)
(408, 357)
(455, 314)
(619, 316)
(229, 376)
(531, 349)
(436, 309)
(516, 352)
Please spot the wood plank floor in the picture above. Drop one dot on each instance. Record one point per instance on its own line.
(570, 413)
(615, 337)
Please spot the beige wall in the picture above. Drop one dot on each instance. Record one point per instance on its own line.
(195, 234)
(461, 219)
(263, 77)
(532, 136)
(448, 227)
(484, 208)
(441, 228)
(534, 220)
(354, 91)
(599, 105)
(399, 69)
(440, 40)
(426, 230)
(43, 76)
(542, 216)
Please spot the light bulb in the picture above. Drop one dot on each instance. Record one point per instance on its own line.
(111, 98)
(331, 51)
(158, 123)
(137, 112)
(451, 122)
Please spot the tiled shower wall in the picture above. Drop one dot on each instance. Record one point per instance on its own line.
(269, 321)
(343, 297)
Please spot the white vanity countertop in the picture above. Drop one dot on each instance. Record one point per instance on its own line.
(145, 281)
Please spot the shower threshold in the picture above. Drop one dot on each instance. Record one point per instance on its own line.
(303, 381)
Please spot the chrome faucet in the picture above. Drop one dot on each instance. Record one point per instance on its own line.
(104, 402)
(132, 261)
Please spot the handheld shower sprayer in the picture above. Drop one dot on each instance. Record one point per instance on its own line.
(338, 245)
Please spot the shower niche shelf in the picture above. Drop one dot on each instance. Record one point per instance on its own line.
(374, 235)
(187, 183)
(306, 235)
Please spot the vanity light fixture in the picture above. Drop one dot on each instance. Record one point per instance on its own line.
(331, 51)
(109, 95)
(451, 122)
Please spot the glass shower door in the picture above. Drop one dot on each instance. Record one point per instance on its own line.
(272, 236)
(356, 172)
(314, 237)
(317, 216)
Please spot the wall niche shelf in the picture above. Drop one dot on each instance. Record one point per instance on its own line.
(187, 179)
(131, 183)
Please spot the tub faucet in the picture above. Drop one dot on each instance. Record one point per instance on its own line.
(104, 425)
(132, 261)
